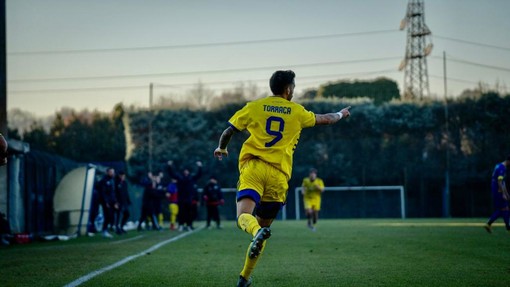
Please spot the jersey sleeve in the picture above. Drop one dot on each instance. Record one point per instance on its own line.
(321, 183)
(240, 119)
(306, 118)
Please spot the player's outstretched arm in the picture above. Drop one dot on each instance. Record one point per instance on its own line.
(225, 137)
(503, 190)
(331, 118)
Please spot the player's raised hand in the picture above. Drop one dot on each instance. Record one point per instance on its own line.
(219, 153)
(345, 112)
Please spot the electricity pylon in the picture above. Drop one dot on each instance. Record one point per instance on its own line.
(418, 47)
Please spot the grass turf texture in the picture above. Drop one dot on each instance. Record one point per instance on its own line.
(412, 252)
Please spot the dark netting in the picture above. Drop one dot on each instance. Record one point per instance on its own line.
(40, 175)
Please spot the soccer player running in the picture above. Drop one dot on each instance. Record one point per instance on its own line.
(313, 187)
(265, 160)
(500, 195)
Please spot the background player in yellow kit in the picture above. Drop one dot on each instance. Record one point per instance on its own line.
(312, 191)
(173, 207)
(265, 160)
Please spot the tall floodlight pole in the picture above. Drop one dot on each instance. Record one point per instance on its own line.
(3, 103)
(3, 72)
(418, 47)
(151, 118)
(446, 192)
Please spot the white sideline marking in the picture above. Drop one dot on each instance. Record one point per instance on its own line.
(129, 239)
(93, 274)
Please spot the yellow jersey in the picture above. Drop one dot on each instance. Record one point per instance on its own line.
(274, 124)
(310, 188)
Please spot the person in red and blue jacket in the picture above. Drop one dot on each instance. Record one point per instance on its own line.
(213, 198)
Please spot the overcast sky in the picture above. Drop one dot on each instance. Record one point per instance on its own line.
(96, 53)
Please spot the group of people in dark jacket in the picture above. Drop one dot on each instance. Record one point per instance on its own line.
(181, 194)
(153, 193)
(187, 194)
(188, 198)
(111, 193)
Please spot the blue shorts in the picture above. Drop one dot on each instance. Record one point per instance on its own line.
(499, 202)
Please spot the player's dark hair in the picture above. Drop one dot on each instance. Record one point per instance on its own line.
(280, 80)
(508, 157)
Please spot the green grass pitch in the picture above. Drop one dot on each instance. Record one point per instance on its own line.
(363, 252)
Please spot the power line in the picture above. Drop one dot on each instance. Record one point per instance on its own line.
(473, 63)
(453, 59)
(109, 77)
(200, 45)
(144, 87)
(454, 79)
(472, 43)
(118, 88)
(191, 84)
(386, 71)
(247, 42)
